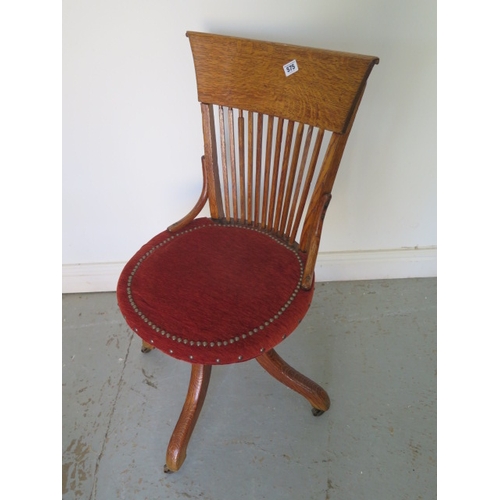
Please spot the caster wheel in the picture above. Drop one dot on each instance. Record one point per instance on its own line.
(317, 412)
(145, 350)
(166, 470)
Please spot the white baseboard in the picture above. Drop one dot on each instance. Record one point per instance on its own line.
(330, 266)
(82, 278)
(377, 264)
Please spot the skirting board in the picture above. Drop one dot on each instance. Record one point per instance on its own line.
(330, 266)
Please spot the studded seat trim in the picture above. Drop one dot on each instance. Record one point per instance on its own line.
(218, 347)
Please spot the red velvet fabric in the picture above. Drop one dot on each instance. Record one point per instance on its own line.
(214, 293)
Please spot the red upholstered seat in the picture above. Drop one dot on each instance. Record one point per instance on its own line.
(214, 293)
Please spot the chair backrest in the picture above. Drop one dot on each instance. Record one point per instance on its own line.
(270, 112)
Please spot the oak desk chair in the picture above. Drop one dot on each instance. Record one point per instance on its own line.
(227, 289)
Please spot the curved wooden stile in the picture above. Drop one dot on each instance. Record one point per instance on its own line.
(313, 225)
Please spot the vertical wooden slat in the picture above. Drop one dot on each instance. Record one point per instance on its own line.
(300, 177)
(291, 178)
(241, 151)
(211, 162)
(276, 169)
(222, 129)
(284, 172)
(307, 184)
(258, 170)
(267, 169)
(232, 157)
(250, 167)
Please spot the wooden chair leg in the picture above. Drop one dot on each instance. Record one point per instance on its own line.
(283, 372)
(146, 347)
(198, 385)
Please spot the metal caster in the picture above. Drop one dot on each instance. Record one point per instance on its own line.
(317, 412)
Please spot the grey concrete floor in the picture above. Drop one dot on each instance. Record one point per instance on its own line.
(370, 344)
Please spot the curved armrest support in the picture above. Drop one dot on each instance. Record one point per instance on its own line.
(314, 237)
(197, 208)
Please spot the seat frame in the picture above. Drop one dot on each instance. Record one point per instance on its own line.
(324, 94)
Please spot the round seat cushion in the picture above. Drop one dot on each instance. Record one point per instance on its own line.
(214, 293)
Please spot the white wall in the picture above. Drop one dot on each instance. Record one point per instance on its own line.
(132, 130)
